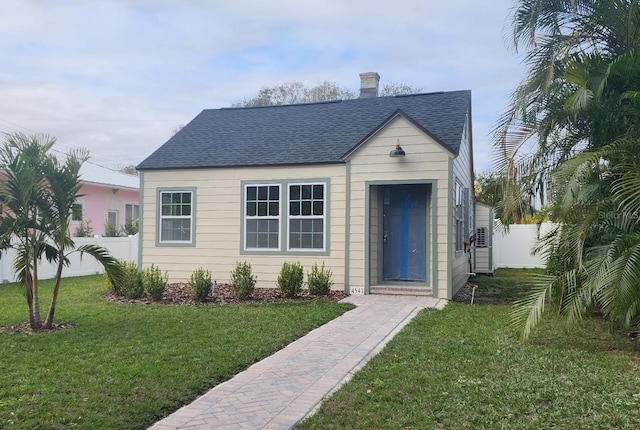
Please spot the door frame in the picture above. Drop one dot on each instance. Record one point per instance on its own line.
(431, 244)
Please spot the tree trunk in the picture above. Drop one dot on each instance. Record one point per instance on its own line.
(36, 296)
(29, 295)
(32, 301)
(48, 324)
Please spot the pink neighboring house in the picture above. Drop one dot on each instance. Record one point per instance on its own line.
(106, 195)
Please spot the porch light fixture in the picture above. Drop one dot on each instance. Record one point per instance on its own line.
(398, 152)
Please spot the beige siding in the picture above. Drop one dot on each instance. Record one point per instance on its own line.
(463, 173)
(425, 160)
(218, 222)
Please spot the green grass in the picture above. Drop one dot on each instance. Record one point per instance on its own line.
(463, 368)
(125, 366)
(506, 286)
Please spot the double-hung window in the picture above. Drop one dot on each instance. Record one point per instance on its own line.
(285, 216)
(306, 221)
(176, 216)
(262, 217)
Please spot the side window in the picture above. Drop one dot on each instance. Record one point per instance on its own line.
(459, 216)
(176, 216)
(112, 218)
(131, 212)
(77, 212)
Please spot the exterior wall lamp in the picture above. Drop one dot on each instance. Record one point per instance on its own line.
(398, 152)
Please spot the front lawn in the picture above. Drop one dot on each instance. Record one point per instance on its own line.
(125, 366)
(463, 368)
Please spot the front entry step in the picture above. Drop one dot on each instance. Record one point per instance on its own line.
(400, 290)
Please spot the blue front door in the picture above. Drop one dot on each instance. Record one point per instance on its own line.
(404, 232)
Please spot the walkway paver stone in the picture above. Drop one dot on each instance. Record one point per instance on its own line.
(281, 390)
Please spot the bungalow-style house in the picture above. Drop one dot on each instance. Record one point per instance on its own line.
(380, 189)
(106, 196)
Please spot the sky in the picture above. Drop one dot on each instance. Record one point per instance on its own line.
(118, 77)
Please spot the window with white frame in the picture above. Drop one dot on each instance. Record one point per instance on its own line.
(77, 212)
(176, 216)
(262, 217)
(131, 212)
(112, 218)
(459, 216)
(306, 216)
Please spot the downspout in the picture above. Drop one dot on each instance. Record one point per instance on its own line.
(347, 231)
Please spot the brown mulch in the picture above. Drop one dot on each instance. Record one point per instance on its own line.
(180, 294)
(24, 328)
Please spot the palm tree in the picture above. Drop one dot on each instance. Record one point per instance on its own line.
(37, 196)
(63, 186)
(576, 108)
(21, 194)
(569, 45)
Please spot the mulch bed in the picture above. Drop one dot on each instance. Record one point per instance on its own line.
(180, 294)
(24, 328)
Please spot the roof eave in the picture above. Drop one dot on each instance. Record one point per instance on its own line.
(242, 166)
(103, 185)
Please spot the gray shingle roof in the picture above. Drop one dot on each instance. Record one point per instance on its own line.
(315, 133)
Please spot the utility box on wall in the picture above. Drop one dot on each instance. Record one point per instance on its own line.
(483, 246)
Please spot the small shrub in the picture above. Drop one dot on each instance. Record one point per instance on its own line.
(84, 229)
(243, 282)
(200, 282)
(130, 284)
(110, 230)
(290, 279)
(319, 280)
(154, 282)
(130, 227)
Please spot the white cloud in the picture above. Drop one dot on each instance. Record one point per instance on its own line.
(118, 76)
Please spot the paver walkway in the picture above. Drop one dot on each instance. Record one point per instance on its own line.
(279, 391)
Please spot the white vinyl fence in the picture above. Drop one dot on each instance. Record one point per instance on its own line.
(513, 249)
(122, 248)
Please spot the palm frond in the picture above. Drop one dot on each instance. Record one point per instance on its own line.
(111, 266)
(526, 313)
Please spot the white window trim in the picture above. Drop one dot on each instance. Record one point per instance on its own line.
(246, 217)
(323, 217)
(163, 217)
(115, 211)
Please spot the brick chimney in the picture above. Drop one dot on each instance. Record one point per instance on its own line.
(369, 85)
